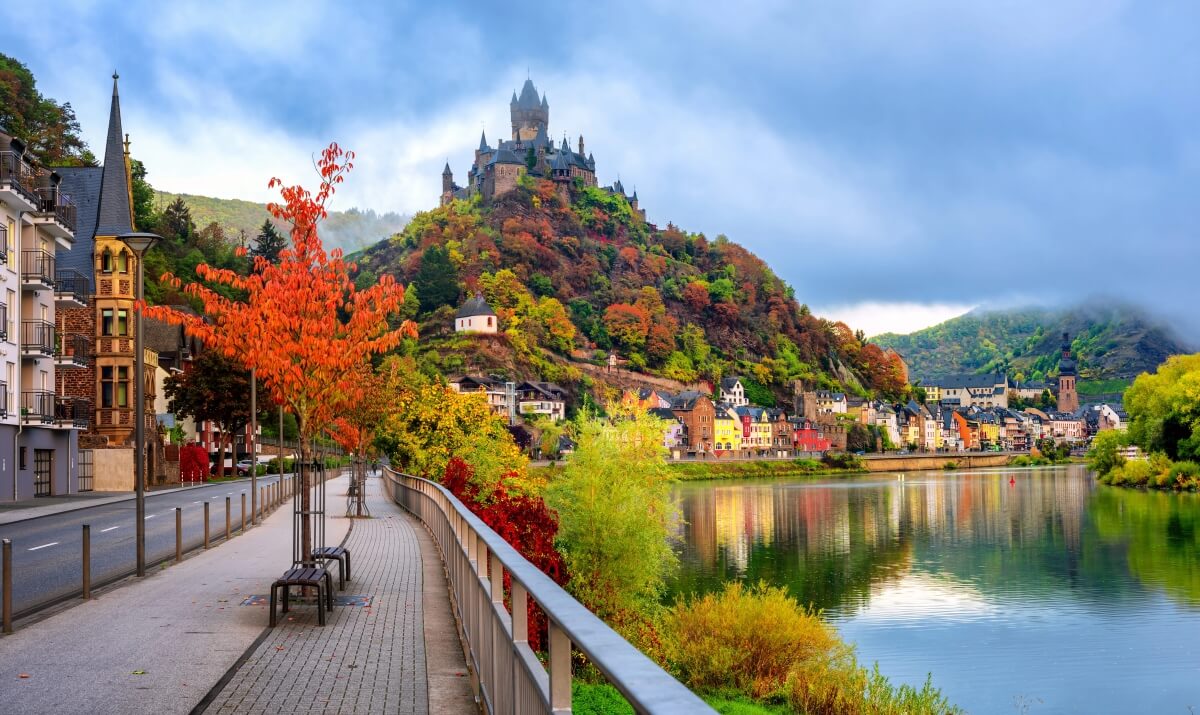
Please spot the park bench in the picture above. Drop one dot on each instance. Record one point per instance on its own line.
(315, 576)
(339, 554)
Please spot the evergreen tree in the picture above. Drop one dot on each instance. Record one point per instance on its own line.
(143, 197)
(436, 280)
(530, 159)
(268, 243)
(177, 221)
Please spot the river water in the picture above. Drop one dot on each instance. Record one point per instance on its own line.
(1019, 590)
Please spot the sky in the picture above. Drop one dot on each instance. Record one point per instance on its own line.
(897, 162)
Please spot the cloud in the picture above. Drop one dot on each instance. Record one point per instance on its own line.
(874, 318)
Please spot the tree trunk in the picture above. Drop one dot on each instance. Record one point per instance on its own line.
(220, 453)
(306, 475)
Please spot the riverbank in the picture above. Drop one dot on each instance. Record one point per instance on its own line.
(748, 469)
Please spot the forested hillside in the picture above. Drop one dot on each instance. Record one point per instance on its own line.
(572, 279)
(349, 230)
(1112, 343)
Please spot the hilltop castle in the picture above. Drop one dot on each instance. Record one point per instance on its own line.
(530, 151)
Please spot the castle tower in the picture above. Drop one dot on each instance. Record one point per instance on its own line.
(1068, 398)
(529, 114)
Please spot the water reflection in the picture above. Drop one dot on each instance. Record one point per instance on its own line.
(1007, 583)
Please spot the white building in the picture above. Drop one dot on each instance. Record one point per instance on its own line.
(733, 392)
(476, 316)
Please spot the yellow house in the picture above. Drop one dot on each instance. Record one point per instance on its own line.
(727, 430)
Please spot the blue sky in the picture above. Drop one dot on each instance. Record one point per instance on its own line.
(896, 163)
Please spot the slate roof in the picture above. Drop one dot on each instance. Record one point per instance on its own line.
(81, 184)
(529, 97)
(728, 383)
(474, 306)
(504, 156)
(663, 413)
(686, 400)
(115, 214)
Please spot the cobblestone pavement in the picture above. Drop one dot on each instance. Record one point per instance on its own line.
(367, 659)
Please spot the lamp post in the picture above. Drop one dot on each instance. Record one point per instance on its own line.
(139, 243)
(253, 447)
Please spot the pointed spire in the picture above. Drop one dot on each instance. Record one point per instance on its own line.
(483, 145)
(545, 102)
(514, 99)
(446, 171)
(115, 212)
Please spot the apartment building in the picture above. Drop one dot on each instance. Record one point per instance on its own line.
(39, 425)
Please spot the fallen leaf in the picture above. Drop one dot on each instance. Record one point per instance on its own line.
(139, 672)
(23, 675)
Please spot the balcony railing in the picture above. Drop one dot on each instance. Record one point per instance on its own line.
(3, 244)
(3, 399)
(37, 337)
(74, 350)
(37, 268)
(17, 174)
(3, 321)
(37, 407)
(73, 412)
(51, 202)
(71, 286)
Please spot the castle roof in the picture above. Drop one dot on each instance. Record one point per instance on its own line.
(504, 156)
(483, 145)
(446, 171)
(473, 307)
(115, 216)
(529, 96)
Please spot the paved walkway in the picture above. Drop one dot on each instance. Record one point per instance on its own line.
(375, 657)
(162, 644)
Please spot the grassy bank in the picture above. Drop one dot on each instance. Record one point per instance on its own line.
(714, 469)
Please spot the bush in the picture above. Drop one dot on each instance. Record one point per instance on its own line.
(743, 639)
(598, 699)
(950, 465)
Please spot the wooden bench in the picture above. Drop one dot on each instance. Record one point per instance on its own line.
(314, 576)
(339, 554)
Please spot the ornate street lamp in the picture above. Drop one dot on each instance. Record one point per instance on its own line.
(139, 243)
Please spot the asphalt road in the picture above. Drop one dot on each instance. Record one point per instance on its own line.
(47, 550)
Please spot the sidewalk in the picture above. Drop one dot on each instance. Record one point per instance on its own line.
(160, 645)
(396, 651)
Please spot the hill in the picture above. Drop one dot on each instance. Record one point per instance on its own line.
(1113, 344)
(575, 274)
(350, 230)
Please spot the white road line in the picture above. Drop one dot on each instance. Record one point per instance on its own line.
(109, 529)
(195, 502)
(52, 543)
(151, 516)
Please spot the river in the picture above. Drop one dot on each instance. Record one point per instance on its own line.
(1019, 590)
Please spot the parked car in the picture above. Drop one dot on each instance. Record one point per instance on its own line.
(243, 467)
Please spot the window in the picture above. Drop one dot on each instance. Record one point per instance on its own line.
(489, 323)
(106, 262)
(123, 262)
(12, 316)
(12, 245)
(114, 386)
(21, 464)
(122, 322)
(106, 322)
(10, 398)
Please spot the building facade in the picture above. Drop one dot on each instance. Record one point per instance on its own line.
(1068, 398)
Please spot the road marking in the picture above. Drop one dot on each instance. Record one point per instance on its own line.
(195, 502)
(109, 529)
(52, 543)
(151, 516)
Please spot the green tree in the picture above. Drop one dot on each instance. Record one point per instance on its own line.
(268, 243)
(143, 197)
(216, 390)
(50, 130)
(530, 159)
(616, 518)
(177, 222)
(436, 280)
(1105, 455)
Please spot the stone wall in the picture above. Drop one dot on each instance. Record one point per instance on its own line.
(920, 462)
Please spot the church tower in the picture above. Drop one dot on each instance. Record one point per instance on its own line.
(530, 115)
(1068, 398)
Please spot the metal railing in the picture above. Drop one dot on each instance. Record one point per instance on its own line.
(3, 399)
(76, 348)
(17, 173)
(507, 675)
(72, 411)
(37, 406)
(70, 284)
(37, 266)
(52, 202)
(37, 337)
(4, 244)
(3, 319)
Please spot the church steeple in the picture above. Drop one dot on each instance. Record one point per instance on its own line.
(115, 212)
(483, 145)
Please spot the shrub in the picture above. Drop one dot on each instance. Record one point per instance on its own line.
(598, 699)
(1184, 475)
(743, 639)
(951, 464)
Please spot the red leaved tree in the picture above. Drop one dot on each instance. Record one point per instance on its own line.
(302, 326)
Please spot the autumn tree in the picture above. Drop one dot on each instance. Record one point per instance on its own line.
(49, 129)
(303, 326)
(628, 325)
(215, 389)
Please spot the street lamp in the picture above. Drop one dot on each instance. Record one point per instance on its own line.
(139, 243)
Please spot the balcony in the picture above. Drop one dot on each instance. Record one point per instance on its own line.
(71, 289)
(74, 350)
(4, 244)
(37, 407)
(37, 269)
(72, 412)
(55, 213)
(17, 181)
(37, 338)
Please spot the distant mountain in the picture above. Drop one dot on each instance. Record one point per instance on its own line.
(350, 230)
(1113, 343)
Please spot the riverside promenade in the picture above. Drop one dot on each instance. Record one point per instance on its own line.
(193, 637)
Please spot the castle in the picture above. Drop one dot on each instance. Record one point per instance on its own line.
(495, 171)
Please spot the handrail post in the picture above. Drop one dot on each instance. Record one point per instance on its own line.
(178, 534)
(520, 612)
(243, 512)
(227, 518)
(87, 561)
(206, 523)
(560, 670)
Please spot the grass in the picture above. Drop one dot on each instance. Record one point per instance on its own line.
(1102, 387)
